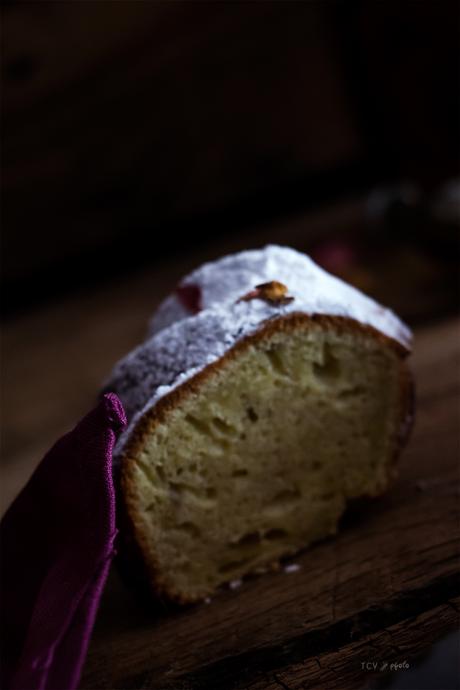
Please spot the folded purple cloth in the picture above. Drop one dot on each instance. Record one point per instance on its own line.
(56, 546)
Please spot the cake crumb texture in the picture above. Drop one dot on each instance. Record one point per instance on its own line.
(260, 457)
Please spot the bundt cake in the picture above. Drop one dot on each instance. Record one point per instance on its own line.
(267, 394)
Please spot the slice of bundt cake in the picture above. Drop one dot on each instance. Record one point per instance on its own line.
(267, 395)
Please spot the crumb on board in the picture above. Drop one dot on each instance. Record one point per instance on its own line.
(261, 570)
(292, 568)
(234, 584)
(427, 484)
(207, 600)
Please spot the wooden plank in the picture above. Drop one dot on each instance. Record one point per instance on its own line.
(395, 562)
(385, 651)
(120, 118)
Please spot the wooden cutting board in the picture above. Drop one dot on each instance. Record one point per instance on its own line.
(381, 592)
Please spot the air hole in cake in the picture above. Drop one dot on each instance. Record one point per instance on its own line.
(223, 426)
(233, 565)
(351, 392)
(249, 539)
(329, 369)
(197, 424)
(189, 528)
(275, 534)
(276, 361)
(148, 471)
(253, 416)
(286, 496)
(178, 491)
(160, 473)
(282, 502)
(240, 473)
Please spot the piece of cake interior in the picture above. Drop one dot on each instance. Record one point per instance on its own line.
(263, 452)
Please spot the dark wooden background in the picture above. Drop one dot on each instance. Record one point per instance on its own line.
(135, 129)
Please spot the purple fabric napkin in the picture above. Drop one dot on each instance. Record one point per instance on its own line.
(56, 546)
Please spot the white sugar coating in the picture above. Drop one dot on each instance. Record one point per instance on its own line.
(181, 345)
(173, 355)
(227, 279)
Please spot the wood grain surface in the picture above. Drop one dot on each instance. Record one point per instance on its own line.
(382, 591)
(120, 117)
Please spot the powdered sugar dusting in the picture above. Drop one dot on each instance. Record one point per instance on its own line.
(177, 353)
(181, 345)
(227, 279)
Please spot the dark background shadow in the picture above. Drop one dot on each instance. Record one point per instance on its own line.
(135, 131)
